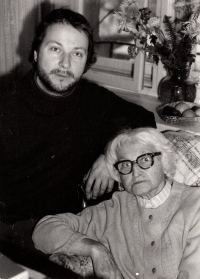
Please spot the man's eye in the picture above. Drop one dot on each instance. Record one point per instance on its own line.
(55, 49)
(78, 54)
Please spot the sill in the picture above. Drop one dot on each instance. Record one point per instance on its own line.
(107, 70)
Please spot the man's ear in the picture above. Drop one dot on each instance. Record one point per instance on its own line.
(35, 55)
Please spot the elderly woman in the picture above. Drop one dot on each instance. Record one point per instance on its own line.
(150, 230)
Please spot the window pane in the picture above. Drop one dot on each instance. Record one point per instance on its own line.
(111, 43)
(148, 67)
(152, 7)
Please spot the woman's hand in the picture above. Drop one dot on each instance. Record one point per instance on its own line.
(98, 179)
(103, 263)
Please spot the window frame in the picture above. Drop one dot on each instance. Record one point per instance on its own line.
(106, 71)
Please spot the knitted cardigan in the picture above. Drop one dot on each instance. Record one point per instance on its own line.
(146, 243)
(48, 144)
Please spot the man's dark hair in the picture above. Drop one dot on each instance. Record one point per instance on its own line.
(64, 16)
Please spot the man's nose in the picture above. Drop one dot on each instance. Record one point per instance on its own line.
(65, 61)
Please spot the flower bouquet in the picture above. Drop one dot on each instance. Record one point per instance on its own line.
(171, 45)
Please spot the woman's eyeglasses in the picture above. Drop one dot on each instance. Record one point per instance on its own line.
(144, 161)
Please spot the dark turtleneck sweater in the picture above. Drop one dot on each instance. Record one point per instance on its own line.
(49, 143)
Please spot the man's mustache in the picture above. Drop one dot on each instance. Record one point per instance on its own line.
(62, 72)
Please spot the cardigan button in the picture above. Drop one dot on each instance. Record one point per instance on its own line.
(152, 243)
(154, 270)
(150, 217)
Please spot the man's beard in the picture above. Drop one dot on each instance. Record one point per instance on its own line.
(50, 86)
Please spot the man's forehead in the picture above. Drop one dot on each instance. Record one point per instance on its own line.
(63, 26)
(60, 31)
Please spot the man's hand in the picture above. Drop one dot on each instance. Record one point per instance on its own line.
(98, 179)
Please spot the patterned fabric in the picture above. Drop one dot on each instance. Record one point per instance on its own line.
(187, 153)
(78, 264)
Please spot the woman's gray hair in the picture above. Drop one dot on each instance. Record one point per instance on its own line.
(142, 136)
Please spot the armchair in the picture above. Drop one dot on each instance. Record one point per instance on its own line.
(187, 154)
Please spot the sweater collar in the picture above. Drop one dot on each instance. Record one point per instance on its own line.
(158, 199)
(36, 99)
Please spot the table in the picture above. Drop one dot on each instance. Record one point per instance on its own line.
(151, 103)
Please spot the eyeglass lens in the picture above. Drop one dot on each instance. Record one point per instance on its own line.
(144, 162)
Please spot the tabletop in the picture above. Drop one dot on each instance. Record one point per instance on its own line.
(151, 103)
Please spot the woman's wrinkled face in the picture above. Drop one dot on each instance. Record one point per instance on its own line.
(142, 182)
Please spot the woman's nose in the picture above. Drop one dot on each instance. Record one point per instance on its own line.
(136, 170)
(65, 61)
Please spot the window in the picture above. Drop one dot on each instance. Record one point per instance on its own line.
(114, 67)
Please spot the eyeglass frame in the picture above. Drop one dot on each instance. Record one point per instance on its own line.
(152, 155)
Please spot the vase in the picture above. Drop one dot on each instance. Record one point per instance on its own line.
(175, 87)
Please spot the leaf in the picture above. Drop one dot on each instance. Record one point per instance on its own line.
(133, 51)
(137, 26)
(153, 39)
(171, 32)
(156, 59)
(143, 40)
